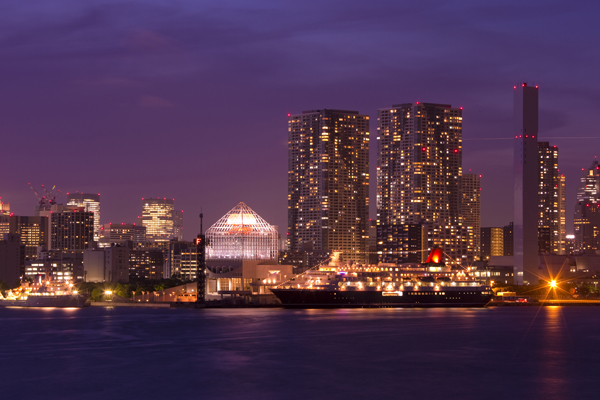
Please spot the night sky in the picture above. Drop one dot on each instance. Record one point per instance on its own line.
(189, 99)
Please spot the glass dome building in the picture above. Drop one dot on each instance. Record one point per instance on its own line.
(241, 234)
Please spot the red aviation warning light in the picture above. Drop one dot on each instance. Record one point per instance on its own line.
(435, 257)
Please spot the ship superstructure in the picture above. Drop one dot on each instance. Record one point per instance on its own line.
(386, 285)
(44, 294)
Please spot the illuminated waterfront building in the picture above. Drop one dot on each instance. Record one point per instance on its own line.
(328, 182)
(182, 260)
(549, 222)
(471, 208)
(241, 234)
(526, 185)
(90, 203)
(163, 223)
(419, 169)
(57, 266)
(587, 211)
(146, 264)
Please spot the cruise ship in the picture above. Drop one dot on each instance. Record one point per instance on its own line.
(431, 284)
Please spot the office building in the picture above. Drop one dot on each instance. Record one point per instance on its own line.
(4, 224)
(33, 233)
(492, 243)
(4, 207)
(71, 230)
(328, 182)
(110, 264)
(4, 218)
(163, 223)
(90, 203)
(120, 233)
(471, 208)
(526, 176)
(182, 260)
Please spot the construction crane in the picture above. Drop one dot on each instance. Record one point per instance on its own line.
(41, 199)
(50, 195)
(47, 200)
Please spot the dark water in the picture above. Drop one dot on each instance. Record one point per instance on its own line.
(128, 353)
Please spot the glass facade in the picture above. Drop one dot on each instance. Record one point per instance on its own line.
(163, 223)
(241, 234)
(91, 203)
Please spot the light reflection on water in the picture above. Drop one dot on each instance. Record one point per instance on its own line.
(100, 353)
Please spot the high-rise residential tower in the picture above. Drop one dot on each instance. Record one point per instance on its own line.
(163, 223)
(91, 203)
(328, 182)
(471, 208)
(548, 198)
(562, 215)
(526, 172)
(419, 165)
(587, 211)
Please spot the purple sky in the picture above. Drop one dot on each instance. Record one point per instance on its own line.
(189, 99)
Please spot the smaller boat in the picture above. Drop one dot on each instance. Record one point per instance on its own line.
(44, 294)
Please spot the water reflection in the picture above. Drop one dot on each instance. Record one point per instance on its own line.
(553, 354)
(303, 354)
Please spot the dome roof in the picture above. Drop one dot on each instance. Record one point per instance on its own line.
(241, 219)
(242, 234)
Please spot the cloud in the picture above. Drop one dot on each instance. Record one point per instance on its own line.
(155, 102)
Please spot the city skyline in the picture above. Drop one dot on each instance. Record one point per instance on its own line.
(190, 102)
